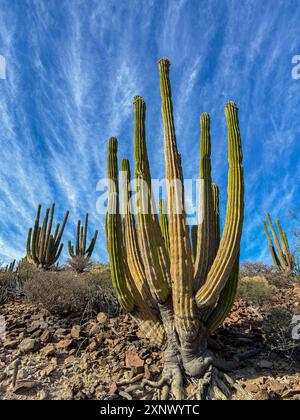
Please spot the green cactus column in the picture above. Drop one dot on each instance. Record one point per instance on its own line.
(164, 223)
(114, 230)
(229, 246)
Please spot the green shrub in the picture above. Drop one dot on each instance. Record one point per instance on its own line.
(255, 289)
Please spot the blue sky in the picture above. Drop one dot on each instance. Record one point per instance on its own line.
(73, 67)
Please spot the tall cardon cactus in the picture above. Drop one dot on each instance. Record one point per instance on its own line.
(43, 246)
(176, 299)
(281, 255)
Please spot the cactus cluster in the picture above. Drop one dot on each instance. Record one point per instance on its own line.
(283, 258)
(10, 268)
(44, 247)
(81, 249)
(169, 292)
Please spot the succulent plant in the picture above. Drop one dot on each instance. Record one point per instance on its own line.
(176, 299)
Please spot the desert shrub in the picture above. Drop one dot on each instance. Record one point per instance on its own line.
(66, 292)
(277, 328)
(255, 289)
(79, 263)
(274, 277)
(100, 276)
(7, 287)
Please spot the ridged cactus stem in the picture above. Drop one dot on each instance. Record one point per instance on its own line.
(114, 230)
(229, 247)
(216, 193)
(274, 256)
(180, 249)
(81, 249)
(133, 254)
(277, 243)
(206, 231)
(164, 223)
(194, 238)
(155, 262)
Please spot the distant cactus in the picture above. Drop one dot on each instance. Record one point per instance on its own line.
(175, 299)
(10, 267)
(81, 249)
(282, 257)
(43, 247)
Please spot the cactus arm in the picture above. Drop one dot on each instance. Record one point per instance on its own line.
(225, 301)
(56, 232)
(276, 242)
(164, 223)
(133, 254)
(284, 245)
(114, 230)
(56, 257)
(274, 256)
(49, 228)
(229, 247)
(194, 237)
(71, 249)
(85, 233)
(28, 246)
(216, 193)
(78, 237)
(42, 253)
(92, 245)
(206, 236)
(155, 263)
(60, 234)
(180, 249)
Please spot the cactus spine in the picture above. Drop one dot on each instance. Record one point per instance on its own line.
(44, 248)
(81, 249)
(176, 298)
(281, 255)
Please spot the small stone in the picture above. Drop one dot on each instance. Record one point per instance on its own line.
(133, 360)
(101, 318)
(10, 344)
(48, 350)
(23, 386)
(46, 336)
(265, 364)
(251, 387)
(75, 331)
(42, 395)
(276, 387)
(64, 344)
(262, 395)
(113, 388)
(96, 329)
(27, 345)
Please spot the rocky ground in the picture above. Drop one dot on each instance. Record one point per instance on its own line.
(46, 357)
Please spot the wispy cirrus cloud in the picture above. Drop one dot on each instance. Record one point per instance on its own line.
(74, 67)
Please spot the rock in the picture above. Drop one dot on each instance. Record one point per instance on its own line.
(28, 345)
(48, 350)
(10, 344)
(113, 388)
(265, 364)
(96, 329)
(291, 392)
(252, 387)
(75, 331)
(60, 332)
(42, 395)
(133, 360)
(64, 344)
(262, 395)
(276, 386)
(46, 336)
(22, 386)
(101, 318)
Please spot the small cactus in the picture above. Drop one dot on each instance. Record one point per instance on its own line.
(281, 255)
(44, 248)
(81, 248)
